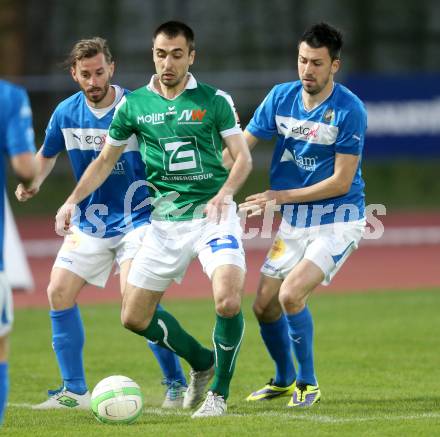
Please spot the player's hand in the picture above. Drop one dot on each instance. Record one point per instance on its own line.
(217, 208)
(256, 204)
(63, 219)
(22, 193)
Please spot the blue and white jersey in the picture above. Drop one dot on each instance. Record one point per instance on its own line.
(307, 143)
(121, 201)
(16, 137)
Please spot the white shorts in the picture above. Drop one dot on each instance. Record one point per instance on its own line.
(92, 258)
(170, 246)
(6, 308)
(327, 246)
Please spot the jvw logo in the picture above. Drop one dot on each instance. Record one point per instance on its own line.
(192, 115)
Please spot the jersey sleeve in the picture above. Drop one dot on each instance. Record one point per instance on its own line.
(351, 136)
(54, 141)
(226, 118)
(263, 123)
(20, 136)
(121, 128)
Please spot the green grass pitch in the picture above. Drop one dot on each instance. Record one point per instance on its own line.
(377, 358)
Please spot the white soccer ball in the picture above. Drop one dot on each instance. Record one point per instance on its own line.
(117, 399)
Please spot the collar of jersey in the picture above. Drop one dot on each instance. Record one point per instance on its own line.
(191, 84)
(102, 112)
(314, 109)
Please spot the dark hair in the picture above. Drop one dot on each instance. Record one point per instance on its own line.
(324, 35)
(88, 48)
(175, 28)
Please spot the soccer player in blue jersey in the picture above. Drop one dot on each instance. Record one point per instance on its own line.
(104, 231)
(316, 178)
(17, 142)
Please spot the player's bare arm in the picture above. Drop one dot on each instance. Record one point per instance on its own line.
(251, 142)
(242, 166)
(94, 176)
(337, 184)
(44, 168)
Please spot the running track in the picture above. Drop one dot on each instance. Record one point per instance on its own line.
(401, 262)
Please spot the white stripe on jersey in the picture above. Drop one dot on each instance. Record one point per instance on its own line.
(233, 131)
(92, 139)
(228, 98)
(309, 131)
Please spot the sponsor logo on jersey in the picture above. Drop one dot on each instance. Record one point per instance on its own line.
(155, 118)
(306, 130)
(192, 116)
(89, 141)
(305, 162)
(119, 168)
(181, 155)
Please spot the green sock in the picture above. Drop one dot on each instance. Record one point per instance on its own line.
(228, 334)
(167, 332)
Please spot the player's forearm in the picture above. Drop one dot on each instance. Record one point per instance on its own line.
(228, 162)
(44, 168)
(326, 189)
(95, 175)
(251, 141)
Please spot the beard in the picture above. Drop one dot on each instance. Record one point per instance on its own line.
(315, 87)
(97, 94)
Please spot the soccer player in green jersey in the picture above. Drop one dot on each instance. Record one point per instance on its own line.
(181, 125)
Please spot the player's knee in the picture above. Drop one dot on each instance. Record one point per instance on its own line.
(266, 313)
(58, 295)
(292, 296)
(259, 310)
(228, 306)
(134, 322)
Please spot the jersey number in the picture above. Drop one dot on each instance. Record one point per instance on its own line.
(226, 242)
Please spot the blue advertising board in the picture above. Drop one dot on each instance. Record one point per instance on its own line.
(403, 114)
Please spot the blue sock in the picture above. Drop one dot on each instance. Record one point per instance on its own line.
(168, 362)
(301, 335)
(4, 388)
(68, 343)
(276, 338)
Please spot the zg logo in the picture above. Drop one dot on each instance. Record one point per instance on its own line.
(181, 155)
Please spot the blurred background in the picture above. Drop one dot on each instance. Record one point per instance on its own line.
(391, 60)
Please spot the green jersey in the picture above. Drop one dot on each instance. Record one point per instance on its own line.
(180, 141)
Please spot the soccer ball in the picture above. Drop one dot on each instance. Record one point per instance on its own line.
(117, 399)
